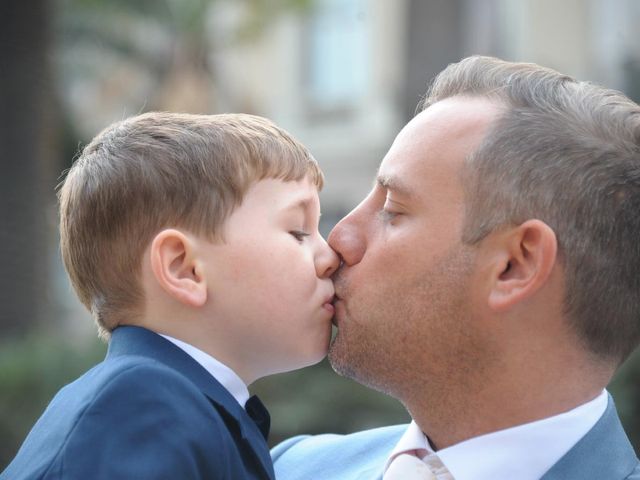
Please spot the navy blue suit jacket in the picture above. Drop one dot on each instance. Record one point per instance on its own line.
(148, 411)
(604, 453)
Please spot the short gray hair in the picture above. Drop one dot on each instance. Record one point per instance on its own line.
(567, 153)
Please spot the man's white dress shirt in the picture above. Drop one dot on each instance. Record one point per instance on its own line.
(524, 452)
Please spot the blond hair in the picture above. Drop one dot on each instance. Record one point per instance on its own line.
(160, 170)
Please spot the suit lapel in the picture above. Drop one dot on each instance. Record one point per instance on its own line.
(249, 434)
(130, 340)
(604, 452)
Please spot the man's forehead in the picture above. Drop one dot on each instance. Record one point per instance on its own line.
(434, 144)
(456, 117)
(409, 162)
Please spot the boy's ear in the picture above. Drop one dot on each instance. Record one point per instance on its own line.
(177, 268)
(525, 258)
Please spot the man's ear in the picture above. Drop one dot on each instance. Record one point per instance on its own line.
(527, 255)
(177, 269)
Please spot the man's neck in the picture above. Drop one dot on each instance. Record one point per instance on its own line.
(468, 414)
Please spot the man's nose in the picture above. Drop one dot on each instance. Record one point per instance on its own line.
(347, 239)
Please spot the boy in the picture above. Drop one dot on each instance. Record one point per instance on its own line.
(193, 240)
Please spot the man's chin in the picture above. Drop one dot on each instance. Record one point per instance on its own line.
(356, 366)
(341, 359)
(337, 357)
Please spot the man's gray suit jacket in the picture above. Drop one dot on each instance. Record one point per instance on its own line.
(604, 453)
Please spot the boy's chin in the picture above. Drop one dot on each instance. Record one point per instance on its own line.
(292, 364)
(307, 361)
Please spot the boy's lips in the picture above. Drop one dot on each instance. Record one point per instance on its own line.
(328, 304)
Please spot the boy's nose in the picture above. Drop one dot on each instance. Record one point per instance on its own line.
(327, 261)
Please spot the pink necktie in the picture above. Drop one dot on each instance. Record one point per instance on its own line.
(407, 466)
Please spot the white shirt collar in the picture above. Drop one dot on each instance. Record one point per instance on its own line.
(223, 374)
(524, 452)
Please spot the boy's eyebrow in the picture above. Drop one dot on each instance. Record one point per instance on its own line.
(302, 204)
(390, 182)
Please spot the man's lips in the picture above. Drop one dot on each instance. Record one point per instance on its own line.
(337, 306)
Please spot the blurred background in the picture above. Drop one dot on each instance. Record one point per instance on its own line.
(343, 76)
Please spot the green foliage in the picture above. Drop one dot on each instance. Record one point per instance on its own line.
(31, 372)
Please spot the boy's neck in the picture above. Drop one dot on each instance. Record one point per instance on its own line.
(186, 333)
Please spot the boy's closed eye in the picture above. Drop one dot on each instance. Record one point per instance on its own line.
(299, 235)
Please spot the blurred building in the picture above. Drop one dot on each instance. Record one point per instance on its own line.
(346, 75)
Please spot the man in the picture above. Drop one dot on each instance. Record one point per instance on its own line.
(490, 283)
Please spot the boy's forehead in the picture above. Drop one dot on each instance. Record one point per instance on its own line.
(289, 195)
(305, 199)
(310, 206)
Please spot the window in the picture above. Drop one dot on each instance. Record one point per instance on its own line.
(337, 55)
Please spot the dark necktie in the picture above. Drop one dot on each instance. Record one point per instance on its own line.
(259, 414)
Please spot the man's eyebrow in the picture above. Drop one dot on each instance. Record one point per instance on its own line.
(392, 183)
